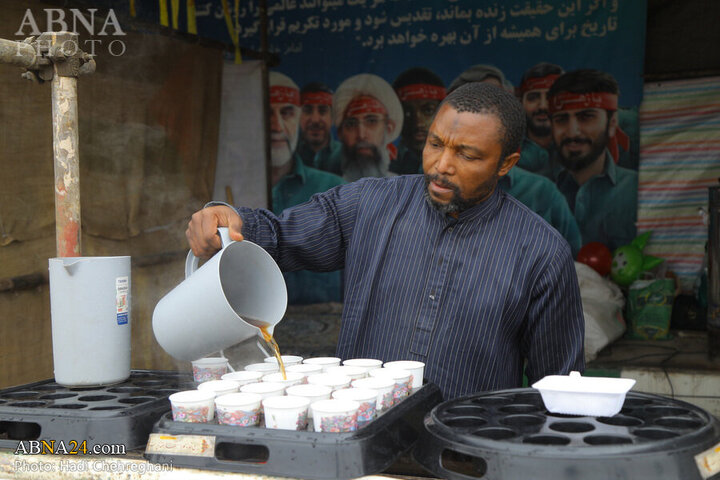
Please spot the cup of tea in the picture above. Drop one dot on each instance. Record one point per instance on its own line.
(416, 369)
(326, 362)
(353, 372)
(366, 397)
(239, 409)
(384, 388)
(264, 389)
(286, 412)
(287, 360)
(366, 363)
(401, 378)
(335, 381)
(219, 387)
(293, 378)
(263, 367)
(209, 368)
(243, 377)
(193, 406)
(304, 368)
(335, 416)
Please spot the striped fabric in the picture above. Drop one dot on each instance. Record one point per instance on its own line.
(472, 297)
(679, 160)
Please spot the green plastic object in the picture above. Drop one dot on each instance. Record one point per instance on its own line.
(629, 261)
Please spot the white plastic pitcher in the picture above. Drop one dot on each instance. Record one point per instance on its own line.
(222, 303)
(90, 311)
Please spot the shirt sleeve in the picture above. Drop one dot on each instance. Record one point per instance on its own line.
(310, 236)
(553, 341)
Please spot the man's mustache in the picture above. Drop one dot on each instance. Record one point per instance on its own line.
(575, 140)
(442, 181)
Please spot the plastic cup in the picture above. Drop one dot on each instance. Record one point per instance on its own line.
(311, 392)
(263, 367)
(287, 360)
(209, 368)
(326, 362)
(243, 377)
(366, 397)
(366, 363)
(293, 378)
(219, 387)
(401, 378)
(264, 389)
(384, 388)
(335, 416)
(287, 413)
(337, 382)
(193, 406)
(353, 372)
(239, 409)
(306, 368)
(416, 369)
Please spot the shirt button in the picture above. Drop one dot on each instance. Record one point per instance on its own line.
(432, 296)
(450, 229)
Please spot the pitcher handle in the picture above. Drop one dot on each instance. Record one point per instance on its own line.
(191, 261)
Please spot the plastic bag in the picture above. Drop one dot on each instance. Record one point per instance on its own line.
(602, 302)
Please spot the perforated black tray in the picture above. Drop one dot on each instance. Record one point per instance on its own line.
(303, 454)
(510, 434)
(118, 414)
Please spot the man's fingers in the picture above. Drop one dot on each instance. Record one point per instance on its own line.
(235, 228)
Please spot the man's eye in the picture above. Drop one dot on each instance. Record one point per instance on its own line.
(371, 122)
(428, 111)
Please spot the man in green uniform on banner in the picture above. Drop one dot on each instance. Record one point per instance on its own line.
(535, 153)
(602, 195)
(420, 91)
(317, 148)
(294, 183)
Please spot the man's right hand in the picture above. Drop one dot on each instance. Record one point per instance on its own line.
(202, 229)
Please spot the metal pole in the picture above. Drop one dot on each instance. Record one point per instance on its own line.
(65, 151)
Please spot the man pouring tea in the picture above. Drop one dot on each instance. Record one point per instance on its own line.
(444, 267)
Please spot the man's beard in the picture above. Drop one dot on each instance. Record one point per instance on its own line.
(313, 140)
(457, 204)
(578, 162)
(358, 165)
(281, 155)
(539, 130)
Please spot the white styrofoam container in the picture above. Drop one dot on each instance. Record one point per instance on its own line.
(577, 395)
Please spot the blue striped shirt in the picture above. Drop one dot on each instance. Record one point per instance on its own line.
(474, 297)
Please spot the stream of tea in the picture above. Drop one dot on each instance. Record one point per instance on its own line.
(267, 336)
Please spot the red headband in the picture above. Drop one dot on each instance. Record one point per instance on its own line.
(280, 94)
(364, 104)
(537, 83)
(575, 101)
(316, 98)
(421, 91)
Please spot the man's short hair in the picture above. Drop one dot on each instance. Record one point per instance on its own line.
(416, 75)
(584, 81)
(478, 73)
(313, 87)
(542, 69)
(483, 98)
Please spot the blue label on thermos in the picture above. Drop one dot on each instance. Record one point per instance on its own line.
(122, 318)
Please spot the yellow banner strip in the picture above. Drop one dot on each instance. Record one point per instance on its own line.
(175, 14)
(191, 21)
(164, 20)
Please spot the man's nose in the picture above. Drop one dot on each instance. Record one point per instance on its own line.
(445, 163)
(543, 101)
(275, 124)
(573, 127)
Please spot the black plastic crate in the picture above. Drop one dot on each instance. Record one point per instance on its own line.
(299, 454)
(122, 414)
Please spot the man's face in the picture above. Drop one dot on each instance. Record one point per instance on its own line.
(315, 121)
(418, 117)
(283, 132)
(581, 135)
(363, 135)
(462, 159)
(536, 110)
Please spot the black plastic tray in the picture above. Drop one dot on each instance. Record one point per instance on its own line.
(510, 434)
(120, 414)
(304, 454)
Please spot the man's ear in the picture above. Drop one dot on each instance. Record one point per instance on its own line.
(509, 162)
(612, 123)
